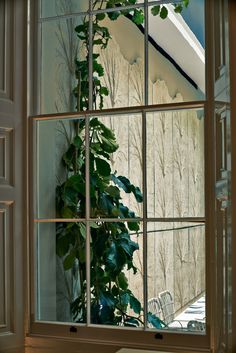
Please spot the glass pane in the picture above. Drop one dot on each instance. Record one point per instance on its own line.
(176, 276)
(116, 166)
(60, 272)
(60, 165)
(62, 7)
(61, 52)
(117, 274)
(118, 67)
(176, 54)
(175, 164)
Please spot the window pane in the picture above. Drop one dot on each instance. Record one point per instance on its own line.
(175, 164)
(176, 54)
(60, 48)
(176, 275)
(116, 166)
(119, 61)
(60, 165)
(62, 7)
(117, 274)
(61, 272)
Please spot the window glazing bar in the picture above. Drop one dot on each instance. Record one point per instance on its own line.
(126, 110)
(140, 219)
(145, 254)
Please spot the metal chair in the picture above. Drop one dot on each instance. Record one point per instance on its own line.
(194, 325)
(167, 307)
(154, 307)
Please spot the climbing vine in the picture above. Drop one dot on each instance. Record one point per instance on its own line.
(112, 244)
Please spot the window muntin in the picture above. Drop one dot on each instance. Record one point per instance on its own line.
(145, 100)
(146, 68)
(156, 228)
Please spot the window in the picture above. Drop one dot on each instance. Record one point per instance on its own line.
(138, 134)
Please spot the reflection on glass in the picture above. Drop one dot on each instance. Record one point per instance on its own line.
(61, 272)
(60, 168)
(176, 275)
(175, 164)
(116, 166)
(63, 7)
(116, 274)
(60, 54)
(118, 59)
(176, 53)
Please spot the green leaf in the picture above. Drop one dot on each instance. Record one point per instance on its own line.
(186, 3)
(115, 259)
(164, 12)
(98, 68)
(178, 8)
(125, 184)
(103, 167)
(82, 227)
(115, 290)
(62, 246)
(77, 142)
(155, 321)
(125, 297)
(108, 144)
(75, 181)
(155, 10)
(104, 91)
(100, 16)
(94, 225)
(128, 245)
(107, 299)
(113, 191)
(138, 17)
(122, 281)
(113, 15)
(82, 28)
(135, 304)
(66, 212)
(69, 261)
(133, 226)
(82, 255)
(106, 204)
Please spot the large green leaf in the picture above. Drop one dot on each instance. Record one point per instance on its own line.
(103, 167)
(77, 142)
(69, 261)
(62, 246)
(122, 281)
(115, 259)
(128, 246)
(113, 191)
(125, 184)
(135, 304)
(107, 299)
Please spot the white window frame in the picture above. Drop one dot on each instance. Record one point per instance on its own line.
(171, 341)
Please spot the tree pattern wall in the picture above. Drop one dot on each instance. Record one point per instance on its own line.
(175, 169)
(175, 177)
